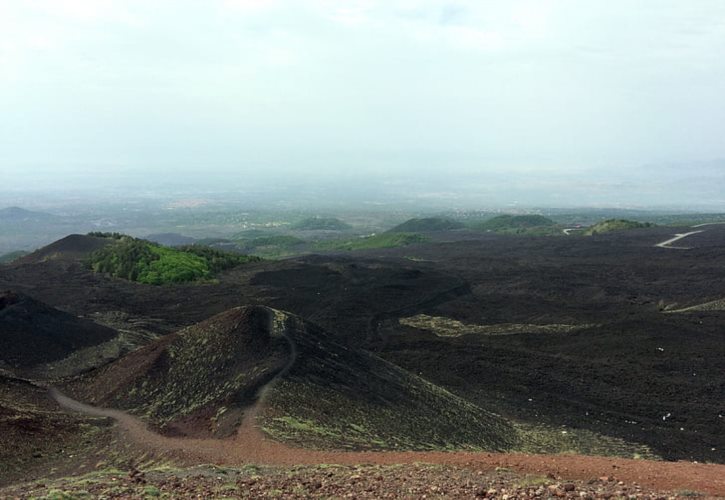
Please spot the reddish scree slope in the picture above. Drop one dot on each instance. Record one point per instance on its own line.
(250, 446)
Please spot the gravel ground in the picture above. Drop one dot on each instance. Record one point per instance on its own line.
(331, 481)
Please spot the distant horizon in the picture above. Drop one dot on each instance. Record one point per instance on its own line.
(668, 186)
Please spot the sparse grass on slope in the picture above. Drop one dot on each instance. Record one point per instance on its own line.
(385, 240)
(427, 224)
(204, 373)
(518, 224)
(271, 246)
(336, 397)
(610, 225)
(200, 379)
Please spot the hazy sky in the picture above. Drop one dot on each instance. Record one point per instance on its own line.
(570, 89)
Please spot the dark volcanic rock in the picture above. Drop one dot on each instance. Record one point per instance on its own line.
(32, 333)
(72, 247)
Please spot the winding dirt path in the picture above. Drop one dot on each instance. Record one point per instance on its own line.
(678, 237)
(251, 446)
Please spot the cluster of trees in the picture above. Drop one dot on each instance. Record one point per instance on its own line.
(146, 262)
(218, 260)
(113, 236)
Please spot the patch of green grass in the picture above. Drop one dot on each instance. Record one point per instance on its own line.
(546, 439)
(385, 240)
(610, 225)
(271, 246)
(532, 481)
(518, 224)
(66, 495)
(228, 487)
(152, 491)
(280, 240)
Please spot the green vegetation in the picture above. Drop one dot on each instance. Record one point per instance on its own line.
(273, 246)
(281, 241)
(152, 491)
(149, 263)
(206, 242)
(610, 225)
(427, 224)
(113, 236)
(385, 240)
(217, 260)
(9, 257)
(321, 224)
(518, 224)
(249, 234)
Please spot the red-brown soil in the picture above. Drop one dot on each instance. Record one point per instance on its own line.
(250, 446)
(411, 481)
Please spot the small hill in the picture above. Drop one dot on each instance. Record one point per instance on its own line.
(281, 240)
(72, 247)
(12, 256)
(385, 240)
(517, 224)
(33, 334)
(171, 239)
(199, 381)
(271, 246)
(149, 263)
(321, 224)
(427, 224)
(182, 381)
(610, 225)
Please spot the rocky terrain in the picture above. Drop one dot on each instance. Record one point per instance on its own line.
(331, 481)
(442, 352)
(37, 338)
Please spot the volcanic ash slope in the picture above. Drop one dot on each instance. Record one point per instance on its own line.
(313, 391)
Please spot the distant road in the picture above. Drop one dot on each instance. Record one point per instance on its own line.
(668, 243)
(708, 224)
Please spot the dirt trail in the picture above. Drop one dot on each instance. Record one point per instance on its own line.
(250, 445)
(679, 236)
